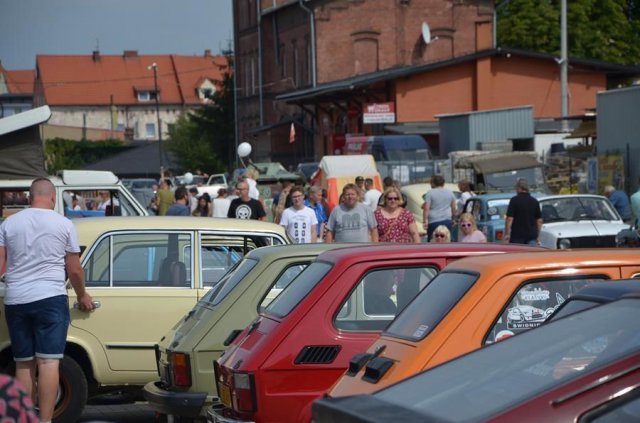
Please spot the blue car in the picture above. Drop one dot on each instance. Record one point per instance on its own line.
(489, 211)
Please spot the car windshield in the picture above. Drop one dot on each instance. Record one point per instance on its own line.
(495, 378)
(297, 289)
(426, 311)
(228, 282)
(568, 208)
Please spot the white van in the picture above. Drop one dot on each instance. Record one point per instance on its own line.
(79, 193)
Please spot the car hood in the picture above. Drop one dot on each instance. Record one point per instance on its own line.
(583, 228)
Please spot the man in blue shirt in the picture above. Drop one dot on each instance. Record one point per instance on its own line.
(180, 208)
(620, 201)
(635, 204)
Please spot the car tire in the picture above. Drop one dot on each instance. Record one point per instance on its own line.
(72, 392)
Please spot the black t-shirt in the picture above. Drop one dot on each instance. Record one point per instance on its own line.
(525, 211)
(252, 209)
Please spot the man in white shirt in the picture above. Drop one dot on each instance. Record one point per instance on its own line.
(372, 196)
(299, 220)
(38, 247)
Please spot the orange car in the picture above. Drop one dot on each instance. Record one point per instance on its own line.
(478, 301)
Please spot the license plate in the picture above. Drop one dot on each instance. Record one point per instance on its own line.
(225, 395)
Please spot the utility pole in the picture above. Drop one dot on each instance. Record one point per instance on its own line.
(564, 66)
(154, 67)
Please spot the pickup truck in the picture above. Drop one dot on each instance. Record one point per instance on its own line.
(215, 182)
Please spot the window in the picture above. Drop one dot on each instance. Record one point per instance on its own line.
(285, 278)
(625, 408)
(431, 305)
(139, 260)
(295, 292)
(533, 303)
(229, 281)
(146, 96)
(379, 296)
(150, 130)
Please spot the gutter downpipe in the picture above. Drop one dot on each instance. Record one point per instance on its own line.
(236, 128)
(259, 19)
(312, 24)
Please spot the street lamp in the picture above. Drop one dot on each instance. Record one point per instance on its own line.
(154, 67)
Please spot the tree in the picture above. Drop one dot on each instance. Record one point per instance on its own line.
(204, 138)
(607, 30)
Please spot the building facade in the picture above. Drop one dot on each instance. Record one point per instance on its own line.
(114, 96)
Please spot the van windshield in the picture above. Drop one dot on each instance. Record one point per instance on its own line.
(426, 311)
(297, 289)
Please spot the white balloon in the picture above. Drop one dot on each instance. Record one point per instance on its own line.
(244, 149)
(188, 178)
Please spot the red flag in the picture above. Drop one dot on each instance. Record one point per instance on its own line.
(292, 134)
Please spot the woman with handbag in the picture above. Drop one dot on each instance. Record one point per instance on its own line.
(395, 223)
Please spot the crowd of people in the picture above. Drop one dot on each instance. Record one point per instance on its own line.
(364, 213)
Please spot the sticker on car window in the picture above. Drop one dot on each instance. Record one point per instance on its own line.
(422, 329)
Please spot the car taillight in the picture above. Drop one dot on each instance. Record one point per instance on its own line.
(180, 369)
(499, 234)
(243, 392)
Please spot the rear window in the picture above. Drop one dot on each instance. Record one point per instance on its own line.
(297, 289)
(229, 282)
(426, 311)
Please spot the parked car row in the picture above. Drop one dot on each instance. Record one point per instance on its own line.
(286, 325)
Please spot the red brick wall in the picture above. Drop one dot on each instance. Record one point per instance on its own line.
(495, 83)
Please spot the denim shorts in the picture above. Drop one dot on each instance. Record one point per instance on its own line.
(38, 329)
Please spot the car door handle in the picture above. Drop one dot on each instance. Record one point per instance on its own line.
(96, 304)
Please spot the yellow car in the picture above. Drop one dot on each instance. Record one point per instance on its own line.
(415, 199)
(144, 274)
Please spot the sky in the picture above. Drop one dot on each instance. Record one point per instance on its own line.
(187, 27)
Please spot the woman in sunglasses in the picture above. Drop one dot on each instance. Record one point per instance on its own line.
(468, 230)
(395, 223)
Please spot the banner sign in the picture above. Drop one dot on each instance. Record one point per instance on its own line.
(379, 113)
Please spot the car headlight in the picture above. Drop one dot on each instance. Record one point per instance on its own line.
(564, 243)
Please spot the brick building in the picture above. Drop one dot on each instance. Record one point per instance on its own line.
(316, 63)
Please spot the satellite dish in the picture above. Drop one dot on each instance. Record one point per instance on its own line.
(426, 33)
(244, 149)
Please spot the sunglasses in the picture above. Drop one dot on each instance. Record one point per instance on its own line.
(439, 235)
(392, 198)
(465, 225)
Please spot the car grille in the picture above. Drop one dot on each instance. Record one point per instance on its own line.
(593, 241)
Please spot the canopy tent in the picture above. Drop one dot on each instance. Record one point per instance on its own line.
(500, 162)
(21, 150)
(334, 172)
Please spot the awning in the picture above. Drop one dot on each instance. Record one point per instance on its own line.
(492, 163)
(418, 128)
(587, 129)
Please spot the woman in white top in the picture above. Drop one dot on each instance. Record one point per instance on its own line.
(220, 204)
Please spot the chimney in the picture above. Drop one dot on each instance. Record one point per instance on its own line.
(96, 56)
(130, 54)
(207, 53)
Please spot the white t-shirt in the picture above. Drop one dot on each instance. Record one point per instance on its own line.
(253, 189)
(298, 223)
(221, 207)
(36, 241)
(371, 198)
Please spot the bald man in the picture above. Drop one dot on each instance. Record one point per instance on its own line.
(38, 245)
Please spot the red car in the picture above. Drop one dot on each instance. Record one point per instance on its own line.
(580, 368)
(301, 342)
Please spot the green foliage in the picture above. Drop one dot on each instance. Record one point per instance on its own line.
(607, 30)
(62, 153)
(204, 139)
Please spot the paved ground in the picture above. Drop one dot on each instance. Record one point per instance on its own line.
(137, 412)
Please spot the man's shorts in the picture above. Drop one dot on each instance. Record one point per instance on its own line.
(38, 329)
